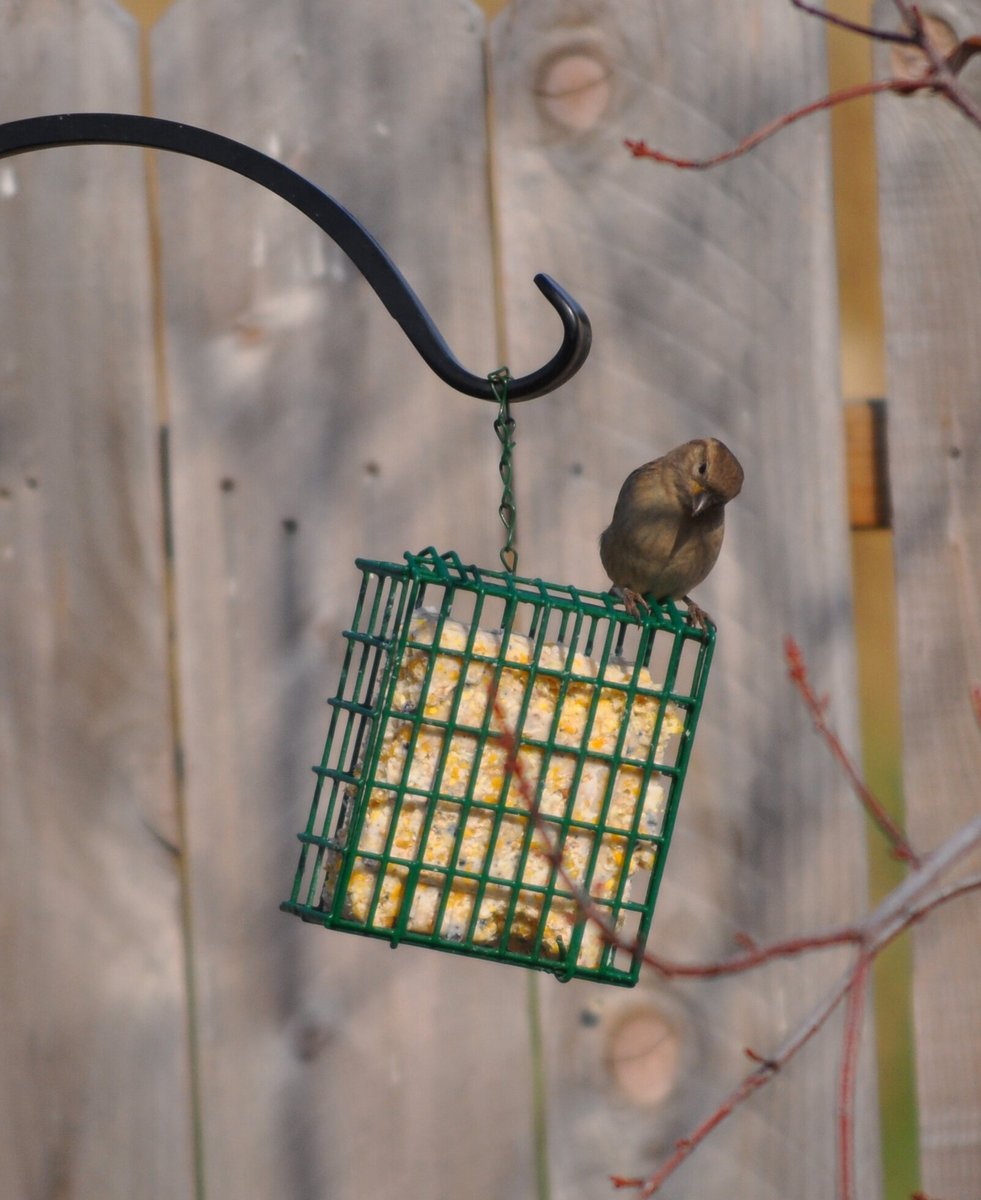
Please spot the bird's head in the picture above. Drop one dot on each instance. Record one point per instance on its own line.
(712, 474)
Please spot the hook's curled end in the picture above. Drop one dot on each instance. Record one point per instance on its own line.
(577, 337)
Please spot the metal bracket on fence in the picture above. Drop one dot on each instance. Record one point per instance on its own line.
(72, 129)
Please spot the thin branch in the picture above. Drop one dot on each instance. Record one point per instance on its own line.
(553, 849)
(943, 70)
(913, 898)
(939, 75)
(903, 907)
(854, 1014)
(962, 54)
(882, 35)
(757, 956)
(762, 1074)
(869, 801)
(971, 884)
(640, 149)
(960, 100)
(907, 904)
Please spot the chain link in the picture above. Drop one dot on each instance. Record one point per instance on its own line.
(504, 428)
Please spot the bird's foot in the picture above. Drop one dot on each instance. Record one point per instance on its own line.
(633, 601)
(697, 616)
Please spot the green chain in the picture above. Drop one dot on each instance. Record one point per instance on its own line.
(504, 428)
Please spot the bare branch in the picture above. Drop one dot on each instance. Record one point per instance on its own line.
(640, 149)
(882, 35)
(762, 1074)
(943, 68)
(914, 898)
(869, 801)
(910, 902)
(854, 1014)
(971, 884)
(958, 59)
(939, 75)
(758, 956)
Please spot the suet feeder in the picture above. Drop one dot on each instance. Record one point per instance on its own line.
(505, 756)
(504, 759)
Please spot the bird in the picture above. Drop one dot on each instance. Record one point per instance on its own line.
(668, 525)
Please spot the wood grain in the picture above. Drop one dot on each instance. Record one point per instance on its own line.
(306, 432)
(712, 301)
(930, 174)
(96, 1096)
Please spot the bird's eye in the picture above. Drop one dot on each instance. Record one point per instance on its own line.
(702, 468)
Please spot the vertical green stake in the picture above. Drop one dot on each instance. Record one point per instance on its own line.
(539, 1091)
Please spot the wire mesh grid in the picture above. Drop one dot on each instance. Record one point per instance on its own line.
(500, 748)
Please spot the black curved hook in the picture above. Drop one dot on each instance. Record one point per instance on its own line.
(39, 133)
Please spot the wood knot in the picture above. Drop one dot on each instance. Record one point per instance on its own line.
(643, 1055)
(909, 63)
(574, 87)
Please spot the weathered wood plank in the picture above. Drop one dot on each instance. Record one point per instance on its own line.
(930, 178)
(306, 431)
(712, 298)
(96, 1099)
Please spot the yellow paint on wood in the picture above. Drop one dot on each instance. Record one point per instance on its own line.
(147, 12)
(856, 206)
(863, 374)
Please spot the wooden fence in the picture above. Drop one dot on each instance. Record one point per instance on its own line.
(205, 415)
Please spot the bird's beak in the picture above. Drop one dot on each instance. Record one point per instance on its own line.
(701, 498)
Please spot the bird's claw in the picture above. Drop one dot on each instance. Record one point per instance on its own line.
(633, 601)
(698, 617)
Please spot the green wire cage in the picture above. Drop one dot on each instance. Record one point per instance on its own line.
(503, 768)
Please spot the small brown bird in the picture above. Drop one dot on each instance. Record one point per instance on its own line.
(668, 523)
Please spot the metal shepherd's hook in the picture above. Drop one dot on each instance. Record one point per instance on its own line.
(72, 129)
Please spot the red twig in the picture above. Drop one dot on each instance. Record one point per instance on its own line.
(976, 703)
(553, 850)
(756, 957)
(963, 54)
(854, 1014)
(761, 1075)
(882, 35)
(753, 956)
(688, 1145)
(869, 801)
(907, 904)
(971, 884)
(640, 149)
(942, 71)
(939, 75)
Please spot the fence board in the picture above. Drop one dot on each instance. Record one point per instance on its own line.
(92, 1040)
(711, 296)
(930, 177)
(306, 431)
